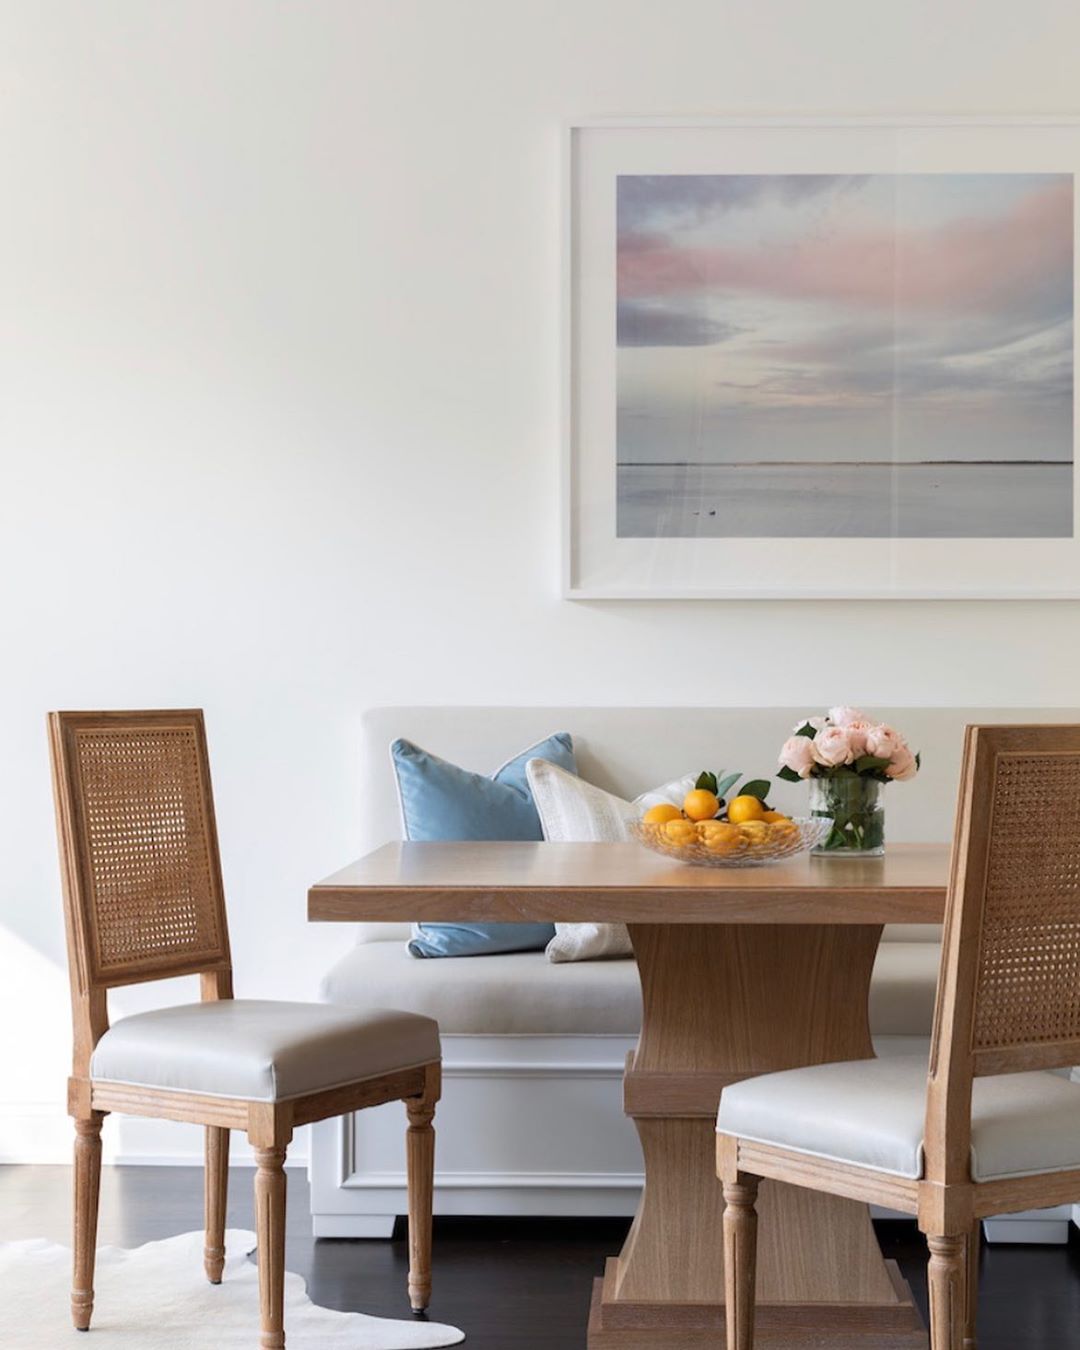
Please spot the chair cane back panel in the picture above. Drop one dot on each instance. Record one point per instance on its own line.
(1028, 974)
(143, 861)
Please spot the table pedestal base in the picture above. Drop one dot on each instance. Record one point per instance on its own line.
(807, 1326)
(720, 1004)
(822, 1282)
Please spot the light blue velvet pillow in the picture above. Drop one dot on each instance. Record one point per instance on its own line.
(441, 801)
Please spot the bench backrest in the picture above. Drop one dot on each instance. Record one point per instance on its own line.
(628, 750)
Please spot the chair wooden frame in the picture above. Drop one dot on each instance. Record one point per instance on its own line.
(98, 759)
(1004, 905)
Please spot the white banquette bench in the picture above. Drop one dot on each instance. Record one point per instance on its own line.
(531, 1120)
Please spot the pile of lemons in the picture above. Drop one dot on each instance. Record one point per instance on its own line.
(747, 825)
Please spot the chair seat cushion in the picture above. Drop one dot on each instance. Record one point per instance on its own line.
(259, 1050)
(519, 993)
(871, 1112)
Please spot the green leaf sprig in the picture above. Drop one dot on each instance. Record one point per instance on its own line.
(720, 786)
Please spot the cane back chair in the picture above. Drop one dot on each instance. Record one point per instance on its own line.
(989, 1128)
(143, 900)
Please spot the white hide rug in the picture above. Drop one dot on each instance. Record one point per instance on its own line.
(157, 1298)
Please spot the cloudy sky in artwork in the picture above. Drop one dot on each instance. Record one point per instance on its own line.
(820, 317)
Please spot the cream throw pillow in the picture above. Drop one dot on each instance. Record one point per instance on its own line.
(575, 812)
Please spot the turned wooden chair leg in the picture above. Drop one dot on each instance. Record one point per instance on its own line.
(216, 1183)
(971, 1278)
(270, 1227)
(420, 1161)
(87, 1192)
(740, 1260)
(948, 1290)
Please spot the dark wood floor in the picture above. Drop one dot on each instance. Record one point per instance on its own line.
(510, 1284)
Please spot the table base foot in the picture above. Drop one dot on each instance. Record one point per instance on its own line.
(619, 1325)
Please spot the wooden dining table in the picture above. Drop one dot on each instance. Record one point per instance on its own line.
(743, 971)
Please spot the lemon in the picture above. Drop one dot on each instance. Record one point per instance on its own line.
(775, 817)
(680, 831)
(701, 804)
(661, 814)
(742, 809)
(720, 837)
(755, 833)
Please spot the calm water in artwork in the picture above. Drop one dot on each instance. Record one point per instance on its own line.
(822, 355)
(863, 500)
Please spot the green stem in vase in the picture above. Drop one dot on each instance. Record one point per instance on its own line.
(852, 802)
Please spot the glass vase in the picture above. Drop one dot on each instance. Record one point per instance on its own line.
(858, 815)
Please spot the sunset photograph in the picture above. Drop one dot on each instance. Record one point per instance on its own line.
(881, 355)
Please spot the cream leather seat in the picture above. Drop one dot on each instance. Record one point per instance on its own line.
(871, 1113)
(260, 1050)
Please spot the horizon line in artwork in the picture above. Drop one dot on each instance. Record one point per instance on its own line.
(822, 322)
(849, 463)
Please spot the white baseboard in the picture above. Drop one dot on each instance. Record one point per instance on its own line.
(34, 1132)
(1034, 1228)
(41, 1133)
(378, 1226)
(494, 1195)
(1030, 1229)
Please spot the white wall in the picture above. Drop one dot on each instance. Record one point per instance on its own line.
(279, 409)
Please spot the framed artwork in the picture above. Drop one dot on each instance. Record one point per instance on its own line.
(820, 359)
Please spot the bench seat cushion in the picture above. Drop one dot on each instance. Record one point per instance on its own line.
(904, 988)
(522, 993)
(518, 993)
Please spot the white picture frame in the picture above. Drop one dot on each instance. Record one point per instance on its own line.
(596, 562)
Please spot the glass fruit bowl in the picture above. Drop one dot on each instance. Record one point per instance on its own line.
(752, 845)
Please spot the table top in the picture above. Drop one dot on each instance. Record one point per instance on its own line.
(625, 883)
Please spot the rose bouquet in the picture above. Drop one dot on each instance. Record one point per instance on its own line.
(847, 756)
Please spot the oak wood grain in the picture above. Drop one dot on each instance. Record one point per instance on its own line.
(723, 1002)
(120, 779)
(216, 1187)
(86, 1176)
(420, 1166)
(743, 971)
(568, 883)
(740, 1261)
(270, 1196)
(1005, 1004)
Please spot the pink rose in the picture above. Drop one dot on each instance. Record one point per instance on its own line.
(883, 742)
(797, 754)
(848, 717)
(832, 747)
(816, 722)
(857, 734)
(903, 765)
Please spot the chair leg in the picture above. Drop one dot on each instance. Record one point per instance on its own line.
(216, 1183)
(87, 1191)
(420, 1161)
(948, 1290)
(270, 1227)
(740, 1260)
(971, 1277)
